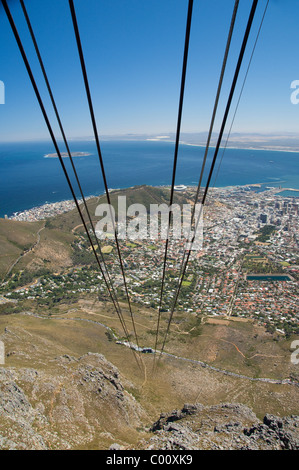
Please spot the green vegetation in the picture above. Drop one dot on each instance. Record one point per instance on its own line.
(260, 264)
(63, 245)
(195, 326)
(142, 194)
(10, 308)
(23, 278)
(265, 233)
(82, 257)
(65, 310)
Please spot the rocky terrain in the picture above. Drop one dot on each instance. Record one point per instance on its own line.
(85, 405)
(66, 384)
(83, 402)
(228, 426)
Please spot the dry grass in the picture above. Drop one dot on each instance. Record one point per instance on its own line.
(235, 347)
(15, 237)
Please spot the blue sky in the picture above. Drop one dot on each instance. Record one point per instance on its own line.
(133, 51)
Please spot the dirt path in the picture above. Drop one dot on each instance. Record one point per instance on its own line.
(240, 352)
(180, 358)
(106, 316)
(27, 251)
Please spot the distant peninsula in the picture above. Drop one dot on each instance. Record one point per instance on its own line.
(65, 154)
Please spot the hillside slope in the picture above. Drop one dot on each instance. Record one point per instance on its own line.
(47, 245)
(15, 239)
(63, 402)
(66, 384)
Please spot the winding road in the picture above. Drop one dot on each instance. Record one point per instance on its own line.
(180, 358)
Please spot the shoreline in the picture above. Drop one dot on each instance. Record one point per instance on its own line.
(46, 210)
(247, 148)
(222, 147)
(51, 209)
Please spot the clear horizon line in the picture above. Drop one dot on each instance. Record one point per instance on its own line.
(157, 135)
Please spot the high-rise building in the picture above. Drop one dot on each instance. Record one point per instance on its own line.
(263, 218)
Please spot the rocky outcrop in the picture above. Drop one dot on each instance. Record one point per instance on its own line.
(275, 431)
(227, 426)
(75, 402)
(83, 400)
(68, 401)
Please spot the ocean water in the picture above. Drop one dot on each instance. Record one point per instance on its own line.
(28, 179)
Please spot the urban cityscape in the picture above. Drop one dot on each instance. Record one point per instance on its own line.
(247, 267)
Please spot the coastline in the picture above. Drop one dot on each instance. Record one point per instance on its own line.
(39, 207)
(46, 211)
(228, 147)
(263, 149)
(49, 210)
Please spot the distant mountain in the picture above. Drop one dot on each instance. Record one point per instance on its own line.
(282, 141)
(48, 244)
(69, 382)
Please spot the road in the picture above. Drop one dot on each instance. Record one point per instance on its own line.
(179, 358)
(27, 251)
